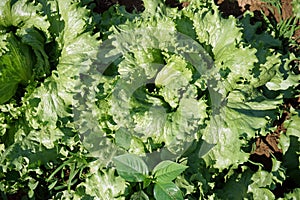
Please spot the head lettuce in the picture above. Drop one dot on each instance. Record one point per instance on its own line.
(23, 56)
(168, 88)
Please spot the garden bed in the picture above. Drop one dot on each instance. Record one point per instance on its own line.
(118, 99)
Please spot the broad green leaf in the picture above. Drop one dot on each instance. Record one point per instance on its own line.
(167, 171)
(131, 167)
(52, 104)
(33, 38)
(237, 121)
(167, 191)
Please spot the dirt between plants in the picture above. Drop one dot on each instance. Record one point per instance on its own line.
(131, 5)
(227, 7)
(134, 5)
(238, 7)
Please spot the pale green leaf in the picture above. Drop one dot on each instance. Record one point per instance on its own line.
(105, 185)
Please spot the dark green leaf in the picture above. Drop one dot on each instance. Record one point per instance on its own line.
(167, 191)
(166, 171)
(131, 167)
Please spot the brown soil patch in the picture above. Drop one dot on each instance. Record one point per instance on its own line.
(130, 5)
(265, 147)
(134, 5)
(268, 145)
(238, 7)
(228, 7)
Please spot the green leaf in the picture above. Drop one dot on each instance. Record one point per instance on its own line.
(284, 80)
(293, 195)
(37, 42)
(173, 79)
(262, 181)
(16, 64)
(167, 191)
(293, 126)
(52, 104)
(292, 156)
(131, 167)
(22, 14)
(123, 138)
(166, 171)
(237, 121)
(103, 184)
(296, 8)
(151, 6)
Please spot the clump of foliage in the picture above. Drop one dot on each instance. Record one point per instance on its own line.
(162, 104)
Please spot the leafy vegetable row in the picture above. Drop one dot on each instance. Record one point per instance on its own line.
(162, 104)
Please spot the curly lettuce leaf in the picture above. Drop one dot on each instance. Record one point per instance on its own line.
(23, 15)
(238, 121)
(16, 64)
(55, 96)
(290, 143)
(171, 115)
(285, 78)
(104, 184)
(173, 78)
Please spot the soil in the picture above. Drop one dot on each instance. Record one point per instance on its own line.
(131, 5)
(238, 7)
(228, 7)
(134, 5)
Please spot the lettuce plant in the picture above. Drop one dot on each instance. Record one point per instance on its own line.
(166, 79)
